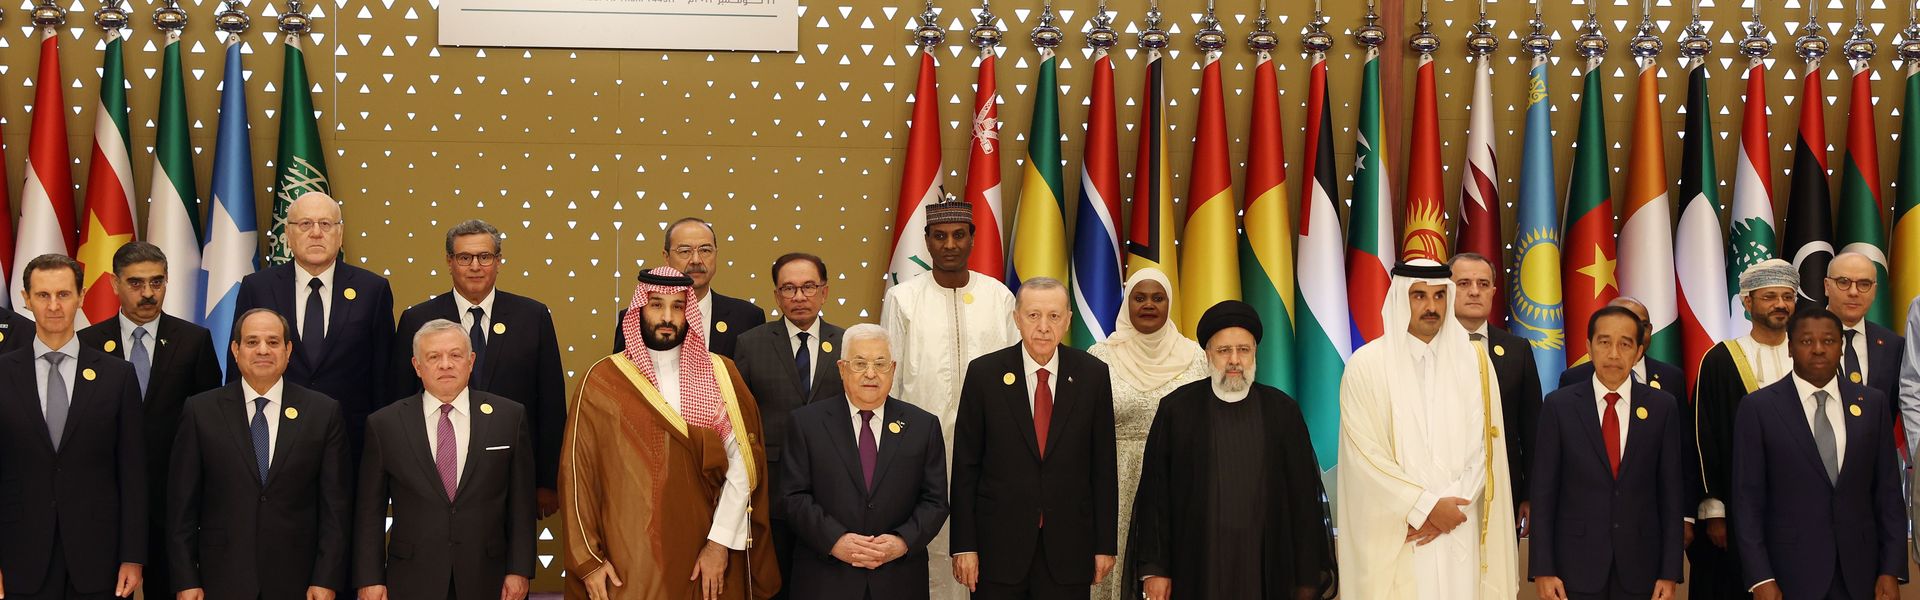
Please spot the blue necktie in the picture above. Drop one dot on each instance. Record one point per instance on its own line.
(803, 361)
(260, 447)
(478, 337)
(142, 364)
(313, 327)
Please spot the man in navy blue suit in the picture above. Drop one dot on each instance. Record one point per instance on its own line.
(1817, 510)
(1608, 490)
(342, 315)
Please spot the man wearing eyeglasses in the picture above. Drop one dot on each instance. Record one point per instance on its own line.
(172, 360)
(342, 314)
(515, 350)
(1870, 354)
(789, 363)
(691, 249)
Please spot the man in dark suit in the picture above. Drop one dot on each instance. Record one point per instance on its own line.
(1870, 354)
(790, 363)
(1817, 511)
(517, 354)
(258, 507)
(342, 315)
(1035, 491)
(172, 359)
(463, 528)
(1514, 371)
(72, 454)
(1607, 516)
(16, 331)
(865, 487)
(691, 249)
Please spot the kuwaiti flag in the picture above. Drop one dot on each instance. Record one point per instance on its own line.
(233, 233)
(1096, 240)
(1809, 224)
(919, 180)
(1750, 233)
(1266, 239)
(1150, 231)
(1646, 236)
(1588, 263)
(1208, 256)
(1325, 338)
(983, 174)
(173, 206)
(1370, 230)
(1536, 297)
(1426, 226)
(1862, 229)
(1698, 252)
(1906, 211)
(1040, 221)
(46, 196)
(1480, 231)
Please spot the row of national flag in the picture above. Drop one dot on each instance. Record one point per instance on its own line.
(1321, 285)
(206, 257)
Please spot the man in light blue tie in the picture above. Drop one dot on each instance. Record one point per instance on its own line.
(171, 357)
(73, 511)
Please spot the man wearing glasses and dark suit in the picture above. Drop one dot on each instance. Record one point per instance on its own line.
(691, 249)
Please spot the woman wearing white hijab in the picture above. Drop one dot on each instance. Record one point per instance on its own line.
(1148, 358)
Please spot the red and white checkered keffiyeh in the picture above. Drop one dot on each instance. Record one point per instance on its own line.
(700, 402)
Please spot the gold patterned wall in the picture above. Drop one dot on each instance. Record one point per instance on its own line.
(581, 156)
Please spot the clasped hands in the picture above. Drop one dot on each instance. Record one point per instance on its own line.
(1445, 516)
(869, 551)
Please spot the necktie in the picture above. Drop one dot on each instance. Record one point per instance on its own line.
(869, 447)
(803, 362)
(443, 452)
(1042, 410)
(142, 364)
(478, 336)
(313, 326)
(1610, 433)
(1850, 360)
(57, 399)
(262, 447)
(1823, 436)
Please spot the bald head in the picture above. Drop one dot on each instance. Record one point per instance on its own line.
(314, 231)
(1851, 277)
(1639, 311)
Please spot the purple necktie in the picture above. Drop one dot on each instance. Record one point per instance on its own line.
(443, 452)
(869, 447)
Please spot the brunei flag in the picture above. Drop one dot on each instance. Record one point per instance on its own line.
(1536, 296)
(1096, 227)
(1646, 237)
(1480, 230)
(1370, 251)
(1699, 259)
(1809, 224)
(983, 175)
(1750, 233)
(1425, 235)
(1324, 339)
(1039, 226)
(109, 199)
(1588, 263)
(1266, 250)
(1906, 211)
(1207, 247)
(1861, 229)
(1151, 228)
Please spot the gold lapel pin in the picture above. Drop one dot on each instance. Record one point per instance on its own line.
(350, 294)
(109, 346)
(967, 298)
(895, 427)
(292, 413)
(826, 346)
(499, 328)
(87, 374)
(1499, 350)
(1640, 412)
(1854, 410)
(720, 327)
(486, 409)
(1855, 376)
(1655, 384)
(3, 336)
(1007, 379)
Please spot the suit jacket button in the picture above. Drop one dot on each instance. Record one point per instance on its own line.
(869, 505)
(263, 497)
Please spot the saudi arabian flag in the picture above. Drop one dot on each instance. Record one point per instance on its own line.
(302, 165)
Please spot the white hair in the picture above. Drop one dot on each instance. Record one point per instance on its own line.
(437, 326)
(868, 331)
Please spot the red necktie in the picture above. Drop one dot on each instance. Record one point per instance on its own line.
(1042, 411)
(1610, 433)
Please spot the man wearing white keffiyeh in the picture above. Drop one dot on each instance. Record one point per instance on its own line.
(658, 436)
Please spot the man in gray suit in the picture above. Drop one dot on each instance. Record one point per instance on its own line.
(790, 363)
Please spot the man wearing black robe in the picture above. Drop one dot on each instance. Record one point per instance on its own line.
(1230, 502)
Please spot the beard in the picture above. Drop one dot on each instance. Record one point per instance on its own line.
(1233, 382)
(662, 342)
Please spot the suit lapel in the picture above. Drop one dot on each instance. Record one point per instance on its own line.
(21, 369)
(1800, 430)
(500, 316)
(1065, 399)
(291, 427)
(1589, 417)
(827, 365)
(111, 345)
(1021, 404)
(1859, 450)
(480, 428)
(82, 392)
(840, 429)
(889, 442)
(1637, 432)
(236, 416)
(414, 429)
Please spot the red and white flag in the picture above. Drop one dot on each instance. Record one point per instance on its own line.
(46, 196)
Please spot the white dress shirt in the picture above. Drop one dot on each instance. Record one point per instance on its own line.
(461, 304)
(1835, 413)
(126, 336)
(462, 417)
(1859, 349)
(813, 346)
(1033, 378)
(706, 310)
(300, 291)
(274, 411)
(730, 516)
(68, 369)
(879, 424)
(1619, 408)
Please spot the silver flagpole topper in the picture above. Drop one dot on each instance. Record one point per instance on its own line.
(1045, 35)
(48, 14)
(169, 18)
(1371, 35)
(1316, 41)
(1100, 35)
(1592, 44)
(986, 30)
(1645, 44)
(1538, 42)
(927, 35)
(1481, 40)
(1210, 38)
(1262, 40)
(1424, 41)
(295, 21)
(233, 19)
(1153, 37)
(1910, 40)
(1860, 46)
(1694, 43)
(110, 16)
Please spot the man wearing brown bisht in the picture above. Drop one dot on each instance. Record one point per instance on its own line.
(662, 471)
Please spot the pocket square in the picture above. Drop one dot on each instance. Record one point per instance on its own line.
(499, 447)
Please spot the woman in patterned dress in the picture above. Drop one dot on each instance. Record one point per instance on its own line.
(1148, 358)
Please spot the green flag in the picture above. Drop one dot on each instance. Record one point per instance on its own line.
(302, 165)
(173, 210)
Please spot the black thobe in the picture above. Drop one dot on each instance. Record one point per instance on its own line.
(1715, 572)
(1259, 529)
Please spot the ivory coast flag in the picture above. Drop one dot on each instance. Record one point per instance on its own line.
(919, 180)
(1646, 237)
(1426, 235)
(1369, 219)
(1906, 215)
(983, 174)
(1325, 332)
(1039, 223)
(109, 199)
(1699, 255)
(1537, 309)
(1588, 262)
(1861, 229)
(1096, 240)
(1150, 230)
(1750, 233)
(1266, 250)
(1207, 247)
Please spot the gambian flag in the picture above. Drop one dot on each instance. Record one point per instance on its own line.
(173, 205)
(1480, 231)
(1040, 223)
(1809, 207)
(1906, 215)
(46, 197)
(1425, 235)
(1369, 220)
(109, 197)
(1151, 229)
(1646, 236)
(1698, 252)
(1096, 226)
(983, 175)
(1325, 335)
(1750, 233)
(919, 180)
(1588, 263)
(1266, 250)
(1861, 228)
(1536, 246)
(1207, 248)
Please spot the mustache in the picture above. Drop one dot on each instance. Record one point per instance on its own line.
(1430, 314)
(149, 301)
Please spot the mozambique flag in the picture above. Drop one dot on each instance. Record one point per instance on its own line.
(1861, 228)
(1906, 215)
(1425, 235)
(109, 200)
(1588, 263)
(302, 164)
(1809, 205)
(1536, 246)
(1151, 228)
(1369, 221)
(1266, 252)
(1207, 246)
(1096, 240)
(1700, 260)
(1646, 237)
(1325, 336)
(1039, 226)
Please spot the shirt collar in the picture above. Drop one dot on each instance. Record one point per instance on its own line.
(272, 394)
(71, 348)
(127, 327)
(1600, 390)
(301, 277)
(1052, 365)
(665, 362)
(812, 332)
(879, 413)
(461, 304)
(1859, 328)
(430, 404)
(1805, 389)
(1482, 330)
